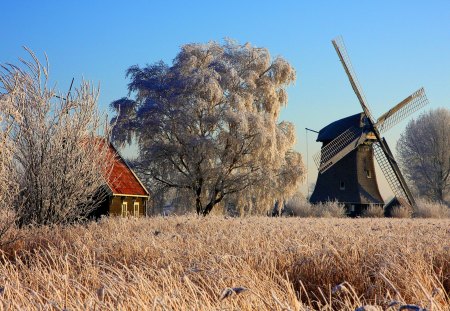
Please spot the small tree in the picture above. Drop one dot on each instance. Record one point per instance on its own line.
(57, 158)
(208, 126)
(424, 153)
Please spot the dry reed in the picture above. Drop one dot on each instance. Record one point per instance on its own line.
(217, 263)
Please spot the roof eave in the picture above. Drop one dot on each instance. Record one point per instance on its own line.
(131, 195)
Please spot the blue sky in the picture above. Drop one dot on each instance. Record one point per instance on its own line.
(395, 47)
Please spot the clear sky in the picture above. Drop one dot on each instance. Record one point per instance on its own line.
(395, 47)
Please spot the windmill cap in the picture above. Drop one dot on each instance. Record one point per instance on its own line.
(336, 128)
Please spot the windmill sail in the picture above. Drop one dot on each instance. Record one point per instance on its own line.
(68, 92)
(339, 46)
(392, 172)
(405, 108)
(339, 148)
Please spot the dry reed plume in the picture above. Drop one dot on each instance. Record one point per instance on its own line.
(213, 263)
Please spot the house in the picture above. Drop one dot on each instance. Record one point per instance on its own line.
(126, 195)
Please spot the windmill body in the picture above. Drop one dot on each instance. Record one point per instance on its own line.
(345, 161)
(352, 180)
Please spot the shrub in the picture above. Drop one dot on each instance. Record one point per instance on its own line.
(331, 209)
(59, 165)
(401, 212)
(374, 211)
(300, 207)
(431, 209)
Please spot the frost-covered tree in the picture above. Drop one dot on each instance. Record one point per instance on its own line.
(424, 152)
(50, 146)
(208, 126)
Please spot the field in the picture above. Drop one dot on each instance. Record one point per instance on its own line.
(217, 263)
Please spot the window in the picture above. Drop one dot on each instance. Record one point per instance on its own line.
(124, 209)
(341, 185)
(352, 208)
(136, 208)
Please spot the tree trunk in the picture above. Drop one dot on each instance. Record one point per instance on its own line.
(198, 192)
(440, 193)
(198, 205)
(208, 208)
(215, 199)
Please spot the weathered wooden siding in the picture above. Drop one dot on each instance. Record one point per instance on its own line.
(115, 208)
(360, 187)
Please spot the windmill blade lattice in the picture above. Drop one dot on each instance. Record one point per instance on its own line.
(405, 108)
(388, 172)
(339, 46)
(344, 143)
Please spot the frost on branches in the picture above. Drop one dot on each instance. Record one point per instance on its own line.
(9, 187)
(208, 127)
(424, 153)
(51, 159)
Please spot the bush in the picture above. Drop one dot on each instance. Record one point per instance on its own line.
(374, 211)
(431, 209)
(52, 150)
(300, 207)
(331, 209)
(401, 212)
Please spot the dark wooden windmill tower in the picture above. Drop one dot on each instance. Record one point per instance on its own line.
(345, 161)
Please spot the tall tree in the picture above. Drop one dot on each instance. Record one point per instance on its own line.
(424, 151)
(208, 125)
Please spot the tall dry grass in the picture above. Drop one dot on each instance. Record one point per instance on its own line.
(215, 263)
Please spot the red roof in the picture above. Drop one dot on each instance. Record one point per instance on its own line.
(122, 180)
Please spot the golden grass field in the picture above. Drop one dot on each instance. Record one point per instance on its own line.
(187, 263)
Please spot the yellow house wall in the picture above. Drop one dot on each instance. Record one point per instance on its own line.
(115, 208)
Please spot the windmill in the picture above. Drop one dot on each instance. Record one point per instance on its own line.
(345, 161)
